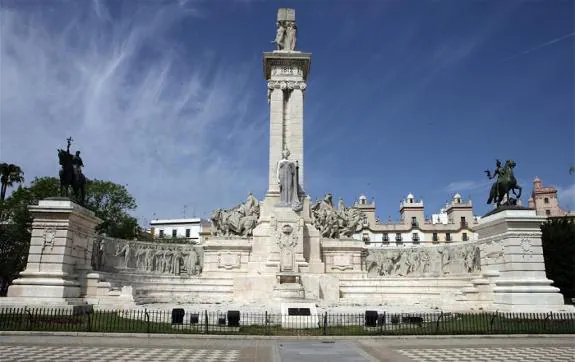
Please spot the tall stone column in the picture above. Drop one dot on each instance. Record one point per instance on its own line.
(286, 73)
(276, 100)
(295, 126)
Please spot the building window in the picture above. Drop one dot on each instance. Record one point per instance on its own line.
(161, 233)
(362, 201)
(174, 233)
(413, 221)
(463, 222)
(547, 212)
(434, 237)
(447, 237)
(187, 233)
(365, 237)
(415, 237)
(398, 237)
(546, 200)
(465, 238)
(386, 237)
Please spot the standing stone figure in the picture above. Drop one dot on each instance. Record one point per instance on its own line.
(290, 38)
(287, 178)
(280, 36)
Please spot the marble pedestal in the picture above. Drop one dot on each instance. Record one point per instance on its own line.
(59, 258)
(512, 256)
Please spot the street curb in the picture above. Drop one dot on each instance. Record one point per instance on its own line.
(255, 337)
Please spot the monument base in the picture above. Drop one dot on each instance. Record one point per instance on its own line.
(510, 244)
(59, 257)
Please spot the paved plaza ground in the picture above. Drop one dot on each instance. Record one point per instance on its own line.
(24, 347)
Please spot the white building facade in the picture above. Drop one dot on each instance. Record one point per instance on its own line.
(178, 228)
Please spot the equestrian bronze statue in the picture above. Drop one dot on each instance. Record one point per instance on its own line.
(505, 183)
(71, 173)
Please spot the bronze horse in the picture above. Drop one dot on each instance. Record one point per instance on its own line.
(506, 182)
(69, 178)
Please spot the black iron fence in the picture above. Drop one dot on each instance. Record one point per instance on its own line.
(326, 324)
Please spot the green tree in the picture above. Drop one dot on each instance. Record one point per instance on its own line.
(9, 175)
(559, 253)
(111, 203)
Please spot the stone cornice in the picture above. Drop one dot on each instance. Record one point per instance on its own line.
(286, 59)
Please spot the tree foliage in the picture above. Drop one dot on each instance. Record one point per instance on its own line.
(9, 175)
(559, 253)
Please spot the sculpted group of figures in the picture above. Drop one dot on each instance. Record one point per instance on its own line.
(239, 220)
(424, 261)
(112, 254)
(334, 223)
(285, 35)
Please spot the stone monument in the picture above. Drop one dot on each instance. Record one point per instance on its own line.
(287, 251)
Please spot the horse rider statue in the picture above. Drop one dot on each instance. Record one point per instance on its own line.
(71, 173)
(505, 183)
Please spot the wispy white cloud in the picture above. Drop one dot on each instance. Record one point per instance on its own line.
(463, 186)
(547, 43)
(142, 112)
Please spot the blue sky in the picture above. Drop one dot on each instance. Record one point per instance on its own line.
(168, 97)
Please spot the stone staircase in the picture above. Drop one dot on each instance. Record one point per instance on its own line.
(428, 291)
(153, 288)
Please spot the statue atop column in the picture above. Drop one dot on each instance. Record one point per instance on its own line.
(286, 30)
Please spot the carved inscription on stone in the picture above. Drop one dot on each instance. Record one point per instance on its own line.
(287, 70)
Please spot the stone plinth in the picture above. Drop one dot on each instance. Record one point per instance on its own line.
(279, 243)
(342, 256)
(512, 258)
(59, 258)
(226, 256)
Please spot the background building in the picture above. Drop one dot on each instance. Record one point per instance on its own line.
(178, 228)
(544, 200)
(454, 223)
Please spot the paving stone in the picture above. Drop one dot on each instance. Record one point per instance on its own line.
(494, 354)
(320, 352)
(27, 353)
